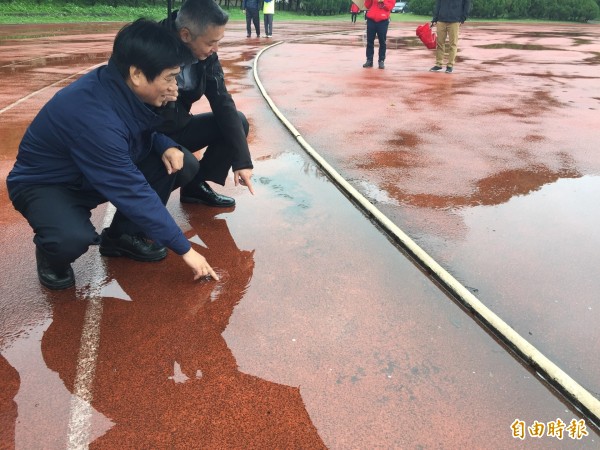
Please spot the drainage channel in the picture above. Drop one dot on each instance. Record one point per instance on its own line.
(576, 394)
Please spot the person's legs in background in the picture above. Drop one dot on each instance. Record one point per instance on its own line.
(440, 48)
(371, 31)
(256, 20)
(382, 29)
(453, 31)
(248, 22)
(268, 24)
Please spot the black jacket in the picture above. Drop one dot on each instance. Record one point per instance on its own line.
(209, 81)
(451, 10)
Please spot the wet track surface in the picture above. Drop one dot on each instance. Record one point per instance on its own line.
(321, 332)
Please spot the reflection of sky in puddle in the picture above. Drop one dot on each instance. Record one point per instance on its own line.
(542, 245)
(534, 262)
(114, 290)
(560, 207)
(375, 194)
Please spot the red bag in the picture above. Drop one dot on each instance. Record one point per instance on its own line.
(426, 35)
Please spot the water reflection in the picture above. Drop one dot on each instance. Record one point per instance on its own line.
(8, 407)
(164, 374)
(514, 46)
(541, 277)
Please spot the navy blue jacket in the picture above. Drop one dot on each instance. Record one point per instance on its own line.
(90, 136)
(249, 4)
(451, 10)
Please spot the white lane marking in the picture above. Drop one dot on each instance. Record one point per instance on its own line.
(196, 240)
(113, 289)
(27, 97)
(80, 422)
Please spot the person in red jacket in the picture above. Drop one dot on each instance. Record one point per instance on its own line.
(378, 19)
(354, 10)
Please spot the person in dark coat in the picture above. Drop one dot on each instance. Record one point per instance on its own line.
(448, 15)
(95, 141)
(200, 25)
(250, 7)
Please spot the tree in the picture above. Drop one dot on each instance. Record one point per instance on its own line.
(491, 9)
(538, 9)
(517, 9)
(422, 7)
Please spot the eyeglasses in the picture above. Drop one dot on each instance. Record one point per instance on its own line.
(170, 79)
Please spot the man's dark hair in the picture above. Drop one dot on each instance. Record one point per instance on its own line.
(149, 47)
(198, 15)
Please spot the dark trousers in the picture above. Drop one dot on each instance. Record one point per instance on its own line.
(353, 17)
(203, 131)
(252, 17)
(380, 29)
(268, 24)
(60, 215)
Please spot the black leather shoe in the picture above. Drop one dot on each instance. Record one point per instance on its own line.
(52, 276)
(203, 193)
(132, 246)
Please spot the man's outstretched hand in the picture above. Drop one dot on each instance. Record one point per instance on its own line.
(244, 177)
(199, 265)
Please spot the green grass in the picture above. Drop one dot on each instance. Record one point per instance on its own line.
(21, 12)
(30, 12)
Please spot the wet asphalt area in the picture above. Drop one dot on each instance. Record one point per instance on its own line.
(322, 332)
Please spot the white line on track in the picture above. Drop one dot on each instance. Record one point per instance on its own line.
(27, 97)
(80, 421)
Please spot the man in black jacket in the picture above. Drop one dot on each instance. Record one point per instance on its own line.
(448, 15)
(200, 25)
(250, 7)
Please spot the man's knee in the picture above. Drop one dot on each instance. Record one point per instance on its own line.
(245, 123)
(66, 245)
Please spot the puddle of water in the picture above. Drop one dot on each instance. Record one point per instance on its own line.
(543, 244)
(533, 260)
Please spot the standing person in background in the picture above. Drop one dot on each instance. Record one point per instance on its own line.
(250, 7)
(354, 10)
(268, 13)
(449, 15)
(378, 20)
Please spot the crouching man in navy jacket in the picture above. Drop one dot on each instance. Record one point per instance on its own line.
(95, 141)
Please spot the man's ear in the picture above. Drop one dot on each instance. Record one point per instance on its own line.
(136, 75)
(185, 35)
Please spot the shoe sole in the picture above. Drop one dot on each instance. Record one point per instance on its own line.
(128, 254)
(57, 286)
(202, 202)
